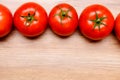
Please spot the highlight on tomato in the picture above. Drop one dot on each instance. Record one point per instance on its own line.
(63, 19)
(5, 21)
(96, 22)
(30, 19)
(117, 26)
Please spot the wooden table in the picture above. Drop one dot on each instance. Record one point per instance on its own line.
(50, 57)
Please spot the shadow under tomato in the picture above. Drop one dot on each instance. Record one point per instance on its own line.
(63, 37)
(115, 37)
(59, 36)
(33, 38)
(87, 39)
(8, 35)
(36, 37)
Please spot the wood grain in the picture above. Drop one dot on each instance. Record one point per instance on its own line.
(50, 57)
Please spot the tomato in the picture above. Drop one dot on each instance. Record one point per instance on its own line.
(30, 19)
(5, 21)
(96, 22)
(63, 19)
(117, 26)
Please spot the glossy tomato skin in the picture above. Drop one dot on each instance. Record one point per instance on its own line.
(5, 21)
(38, 15)
(87, 25)
(117, 27)
(61, 24)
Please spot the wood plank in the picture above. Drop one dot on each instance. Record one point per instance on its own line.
(50, 57)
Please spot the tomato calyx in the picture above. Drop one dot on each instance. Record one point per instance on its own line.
(29, 18)
(63, 14)
(98, 21)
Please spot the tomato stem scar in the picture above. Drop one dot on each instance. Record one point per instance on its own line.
(98, 21)
(63, 14)
(29, 18)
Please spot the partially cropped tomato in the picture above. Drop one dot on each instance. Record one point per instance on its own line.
(117, 26)
(5, 21)
(96, 22)
(63, 19)
(30, 19)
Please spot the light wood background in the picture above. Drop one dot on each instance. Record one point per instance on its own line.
(50, 57)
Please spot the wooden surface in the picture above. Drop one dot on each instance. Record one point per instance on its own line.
(50, 57)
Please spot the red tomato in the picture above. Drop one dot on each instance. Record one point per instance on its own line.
(5, 21)
(117, 26)
(30, 19)
(63, 19)
(96, 22)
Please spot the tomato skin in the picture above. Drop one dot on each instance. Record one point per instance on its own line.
(117, 26)
(5, 21)
(87, 27)
(35, 27)
(67, 25)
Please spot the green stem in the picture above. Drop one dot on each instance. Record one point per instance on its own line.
(29, 18)
(98, 21)
(63, 14)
